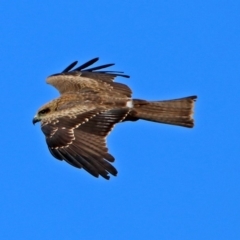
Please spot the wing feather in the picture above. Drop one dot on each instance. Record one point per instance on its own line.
(82, 143)
(68, 68)
(87, 64)
(81, 78)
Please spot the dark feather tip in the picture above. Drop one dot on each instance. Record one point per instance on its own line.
(68, 68)
(87, 64)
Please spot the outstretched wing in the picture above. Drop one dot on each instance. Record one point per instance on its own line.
(81, 78)
(80, 140)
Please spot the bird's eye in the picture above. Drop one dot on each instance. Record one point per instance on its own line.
(44, 111)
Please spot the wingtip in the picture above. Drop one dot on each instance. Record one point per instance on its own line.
(87, 64)
(68, 68)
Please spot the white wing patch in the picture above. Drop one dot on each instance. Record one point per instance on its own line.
(129, 104)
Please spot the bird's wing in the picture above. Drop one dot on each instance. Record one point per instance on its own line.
(80, 139)
(81, 78)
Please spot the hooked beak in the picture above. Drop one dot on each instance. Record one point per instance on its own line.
(35, 120)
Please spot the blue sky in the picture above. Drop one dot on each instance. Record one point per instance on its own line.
(173, 183)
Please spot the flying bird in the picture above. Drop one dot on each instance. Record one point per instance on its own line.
(77, 123)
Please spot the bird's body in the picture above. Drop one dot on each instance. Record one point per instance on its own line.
(77, 123)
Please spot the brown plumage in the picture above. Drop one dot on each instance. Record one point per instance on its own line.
(77, 123)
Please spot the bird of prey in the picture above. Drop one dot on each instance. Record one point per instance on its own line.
(77, 123)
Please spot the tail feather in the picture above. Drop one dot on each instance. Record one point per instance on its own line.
(176, 112)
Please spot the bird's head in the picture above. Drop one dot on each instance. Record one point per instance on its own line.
(45, 111)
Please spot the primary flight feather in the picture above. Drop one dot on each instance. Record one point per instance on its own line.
(77, 123)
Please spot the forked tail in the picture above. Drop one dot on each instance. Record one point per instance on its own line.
(176, 112)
